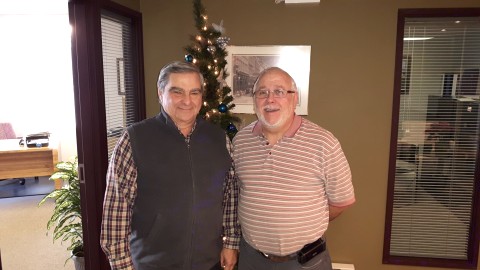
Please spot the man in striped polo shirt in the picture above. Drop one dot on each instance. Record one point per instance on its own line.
(294, 178)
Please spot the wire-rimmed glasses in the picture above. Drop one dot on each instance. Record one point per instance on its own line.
(277, 93)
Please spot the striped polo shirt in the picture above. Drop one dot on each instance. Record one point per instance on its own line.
(285, 189)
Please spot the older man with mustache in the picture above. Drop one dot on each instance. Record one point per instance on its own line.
(294, 179)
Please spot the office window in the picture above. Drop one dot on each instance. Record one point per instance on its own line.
(433, 179)
(120, 71)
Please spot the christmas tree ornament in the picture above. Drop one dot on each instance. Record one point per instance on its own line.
(211, 49)
(219, 28)
(232, 128)
(189, 58)
(223, 41)
(222, 108)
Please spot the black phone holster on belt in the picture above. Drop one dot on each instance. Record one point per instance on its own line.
(311, 250)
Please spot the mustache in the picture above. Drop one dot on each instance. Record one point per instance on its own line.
(270, 107)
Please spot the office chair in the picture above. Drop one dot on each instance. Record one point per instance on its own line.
(6, 131)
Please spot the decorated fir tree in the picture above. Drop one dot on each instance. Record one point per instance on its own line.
(208, 52)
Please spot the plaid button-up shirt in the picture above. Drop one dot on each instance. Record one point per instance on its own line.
(120, 197)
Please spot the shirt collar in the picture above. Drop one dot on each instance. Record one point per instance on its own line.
(169, 121)
(297, 121)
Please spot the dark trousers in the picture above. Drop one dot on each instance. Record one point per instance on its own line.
(251, 259)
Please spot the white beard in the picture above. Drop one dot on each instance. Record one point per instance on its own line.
(278, 124)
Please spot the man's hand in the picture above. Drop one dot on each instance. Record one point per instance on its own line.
(334, 212)
(228, 258)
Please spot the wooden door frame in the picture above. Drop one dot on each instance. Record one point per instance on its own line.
(85, 19)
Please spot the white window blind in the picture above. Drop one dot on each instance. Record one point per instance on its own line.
(438, 136)
(117, 38)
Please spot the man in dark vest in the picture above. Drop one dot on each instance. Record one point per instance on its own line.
(171, 193)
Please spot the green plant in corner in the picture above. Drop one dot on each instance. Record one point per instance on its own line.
(66, 218)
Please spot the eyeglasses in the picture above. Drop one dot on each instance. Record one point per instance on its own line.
(277, 93)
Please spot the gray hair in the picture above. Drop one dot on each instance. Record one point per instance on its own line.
(265, 71)
(177, 67)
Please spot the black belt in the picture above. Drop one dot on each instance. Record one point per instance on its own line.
(306, 253)
(275, 258)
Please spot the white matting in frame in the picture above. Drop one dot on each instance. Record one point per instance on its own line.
(244, 63)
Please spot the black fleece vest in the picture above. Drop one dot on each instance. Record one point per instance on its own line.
(177, 214)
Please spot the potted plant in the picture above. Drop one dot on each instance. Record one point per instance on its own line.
(66, 218)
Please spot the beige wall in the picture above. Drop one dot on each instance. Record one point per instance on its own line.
(351, 86)
(133, 4)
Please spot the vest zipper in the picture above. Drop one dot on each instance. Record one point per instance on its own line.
(190, 255)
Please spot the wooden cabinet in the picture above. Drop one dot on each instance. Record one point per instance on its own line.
(19, 161)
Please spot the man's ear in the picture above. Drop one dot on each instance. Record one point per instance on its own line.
(159, 92)
(296, 98)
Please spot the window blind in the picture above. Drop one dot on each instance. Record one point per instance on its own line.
(437, 140)
(118, 59)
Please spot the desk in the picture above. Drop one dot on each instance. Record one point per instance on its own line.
(20, 161)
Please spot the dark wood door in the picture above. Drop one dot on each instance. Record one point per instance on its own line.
(90, 112)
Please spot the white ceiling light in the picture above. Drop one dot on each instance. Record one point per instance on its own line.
(417, 38)
(298, 1)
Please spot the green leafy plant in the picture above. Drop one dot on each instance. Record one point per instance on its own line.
(66, 218)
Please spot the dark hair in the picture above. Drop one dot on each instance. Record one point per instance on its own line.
(176, 67)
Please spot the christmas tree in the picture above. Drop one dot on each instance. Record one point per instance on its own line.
(207, 51)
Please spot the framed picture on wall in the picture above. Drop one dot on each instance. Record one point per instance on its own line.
(244, 63)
